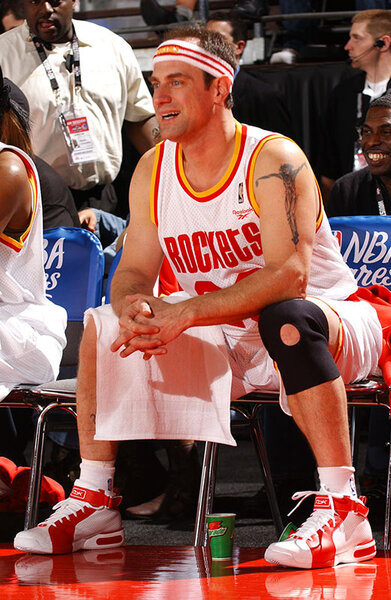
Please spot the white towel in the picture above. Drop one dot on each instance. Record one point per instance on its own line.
(184, 394)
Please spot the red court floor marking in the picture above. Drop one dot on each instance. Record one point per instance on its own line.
(171, 573)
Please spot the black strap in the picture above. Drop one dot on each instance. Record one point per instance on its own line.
(382, 197)
(40, 47)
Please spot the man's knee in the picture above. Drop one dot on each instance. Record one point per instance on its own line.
(295, 334)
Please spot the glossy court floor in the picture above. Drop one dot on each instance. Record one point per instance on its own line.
(183, 573)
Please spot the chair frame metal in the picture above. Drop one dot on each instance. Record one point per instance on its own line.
(42, 401)
(373, 392)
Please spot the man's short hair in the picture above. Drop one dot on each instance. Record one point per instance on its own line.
(378, 21)
(211, 41)
(382, 101)
(238, 27)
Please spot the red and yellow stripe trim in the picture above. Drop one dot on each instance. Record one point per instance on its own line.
(5, 239)
(225, 181)
(250, 177)
(321, 208)
(155, 181)
(251, 169)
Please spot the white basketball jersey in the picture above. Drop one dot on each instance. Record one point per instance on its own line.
(22, 288)
(212, 239)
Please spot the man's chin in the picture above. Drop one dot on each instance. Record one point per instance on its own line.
(379, 171)
(46, 34)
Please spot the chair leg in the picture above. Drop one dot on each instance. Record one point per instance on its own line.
(259, 444)
(354, 427)
(206, 493)
(387, 517)
(34, 492)
(30, 519)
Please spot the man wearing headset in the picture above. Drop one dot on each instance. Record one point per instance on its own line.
(369, 50)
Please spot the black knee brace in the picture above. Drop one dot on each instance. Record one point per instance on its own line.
(308, 362)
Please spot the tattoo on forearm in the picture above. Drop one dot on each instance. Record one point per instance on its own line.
(288, 176)
(93, 418)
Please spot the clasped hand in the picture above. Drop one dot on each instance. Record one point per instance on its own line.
(146, 324)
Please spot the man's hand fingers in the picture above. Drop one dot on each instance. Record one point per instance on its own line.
(136, 328)
(155, 352)
(121, 340)
(145, 309)
(151, 346)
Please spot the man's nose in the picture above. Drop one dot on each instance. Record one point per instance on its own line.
(46, 7)
(161, 95)
(373, 139)
(347, 45)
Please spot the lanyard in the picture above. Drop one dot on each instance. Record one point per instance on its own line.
(382, 197)
(380, 202)
(49, 71)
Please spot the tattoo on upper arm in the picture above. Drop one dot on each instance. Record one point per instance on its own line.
(288, 176)
(93, 418)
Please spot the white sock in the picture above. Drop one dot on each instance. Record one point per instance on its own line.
(97, 473)
(339, 480)
(184, 11)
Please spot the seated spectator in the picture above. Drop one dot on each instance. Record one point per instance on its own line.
(32, 328)
(368, 192)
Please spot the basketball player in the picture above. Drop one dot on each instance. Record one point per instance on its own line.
(238, 214)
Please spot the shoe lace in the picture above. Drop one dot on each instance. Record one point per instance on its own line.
(319, 518)
(65, 509)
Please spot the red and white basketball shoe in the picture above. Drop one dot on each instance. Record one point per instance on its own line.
(337, 531)
(89, 519)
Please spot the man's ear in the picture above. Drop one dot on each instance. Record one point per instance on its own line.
(387, 43)
(239, 49)
(223, 88)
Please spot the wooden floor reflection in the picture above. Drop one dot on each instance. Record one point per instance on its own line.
(182, 573)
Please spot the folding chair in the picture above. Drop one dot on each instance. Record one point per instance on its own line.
(74, 267)
(366, 247)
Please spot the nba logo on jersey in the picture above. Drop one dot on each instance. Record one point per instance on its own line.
(240, 193)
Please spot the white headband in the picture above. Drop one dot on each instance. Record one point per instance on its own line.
(195, 56)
